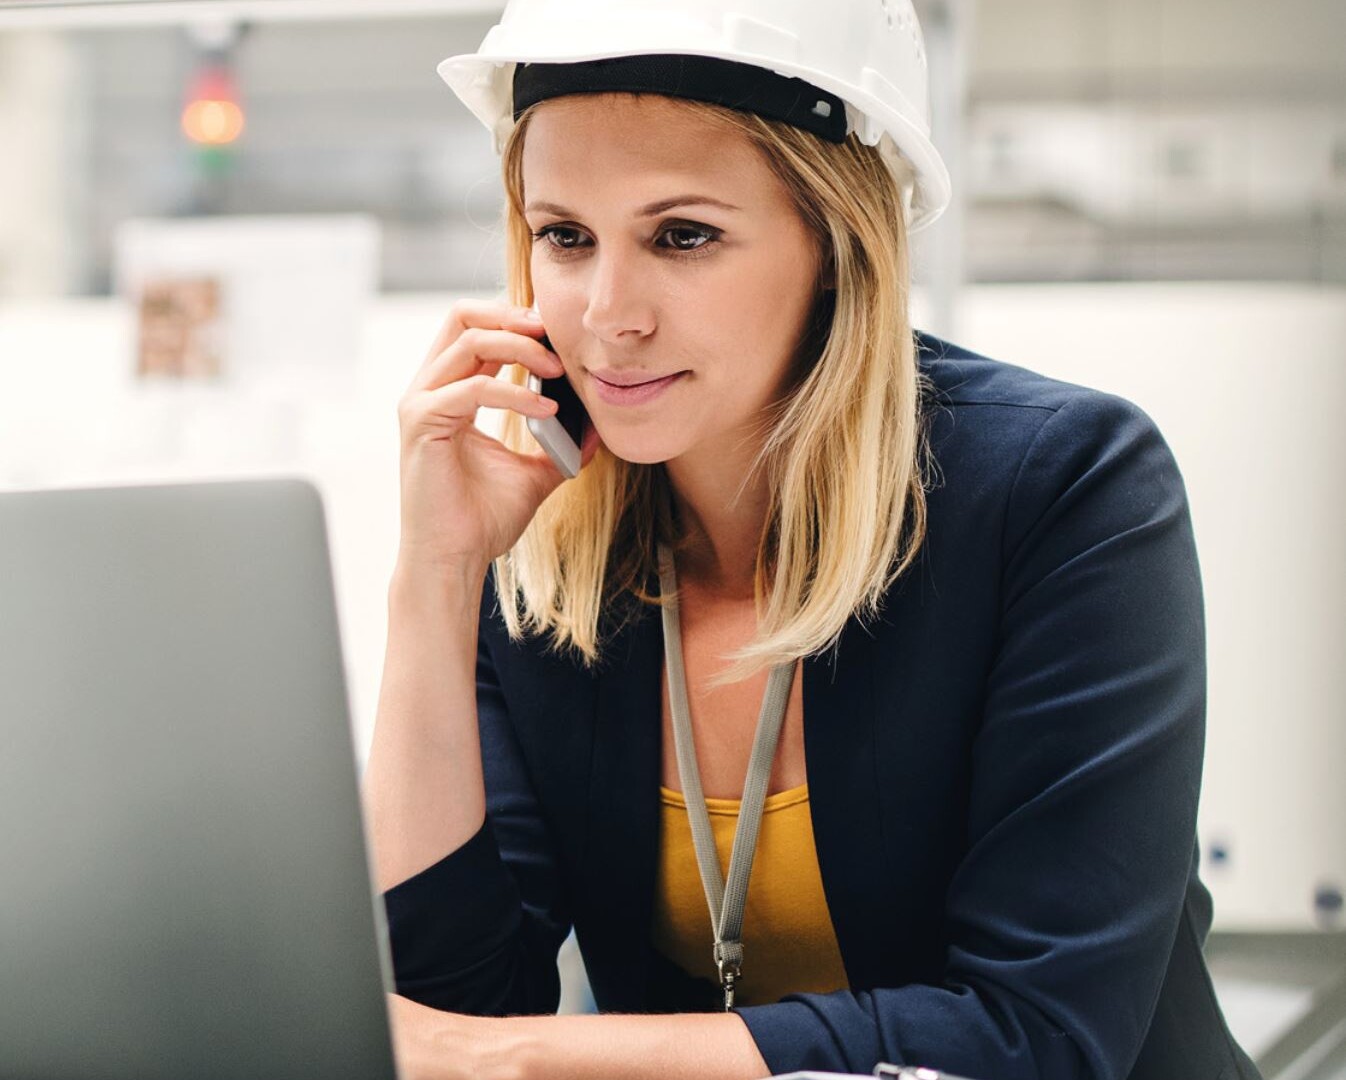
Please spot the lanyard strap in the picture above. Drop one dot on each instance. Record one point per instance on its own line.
(725, 902)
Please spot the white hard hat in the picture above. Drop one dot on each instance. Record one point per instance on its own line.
(867, 53)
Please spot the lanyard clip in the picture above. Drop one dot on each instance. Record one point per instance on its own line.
(729, 961)
(727, 980)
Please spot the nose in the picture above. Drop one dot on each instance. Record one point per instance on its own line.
(619, 309)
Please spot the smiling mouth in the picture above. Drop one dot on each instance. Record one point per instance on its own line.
(628, 386)
(636, 393)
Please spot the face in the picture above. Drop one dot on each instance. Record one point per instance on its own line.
(715, 291)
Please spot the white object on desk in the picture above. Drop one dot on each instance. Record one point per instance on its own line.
(895, 1072)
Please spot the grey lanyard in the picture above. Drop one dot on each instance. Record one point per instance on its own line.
(725, 902)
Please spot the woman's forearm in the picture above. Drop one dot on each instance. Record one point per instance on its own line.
(423, 788)
(684, 1046)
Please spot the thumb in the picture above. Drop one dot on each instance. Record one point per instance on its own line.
(546, 476)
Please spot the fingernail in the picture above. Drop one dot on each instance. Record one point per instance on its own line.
(532, 315)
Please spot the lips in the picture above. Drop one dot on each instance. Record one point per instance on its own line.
(622, 379)
(636, 394)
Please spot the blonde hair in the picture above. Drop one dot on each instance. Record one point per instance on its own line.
(844, 452)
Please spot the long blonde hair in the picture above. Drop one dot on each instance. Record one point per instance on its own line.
(844, 452)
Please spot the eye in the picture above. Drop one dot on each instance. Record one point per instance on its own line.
(702, 233)
(687, 241)
(555, 234)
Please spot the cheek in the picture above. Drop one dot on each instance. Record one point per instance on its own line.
(539, 268)
(778, 279)
(759, 310)
(560, 296)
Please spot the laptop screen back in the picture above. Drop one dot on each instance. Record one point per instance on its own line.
(185, 885)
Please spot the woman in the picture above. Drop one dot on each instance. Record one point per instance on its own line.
(916, 633)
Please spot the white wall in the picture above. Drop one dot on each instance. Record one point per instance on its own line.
(1293, 46)
(1247, 382)
(38, 124)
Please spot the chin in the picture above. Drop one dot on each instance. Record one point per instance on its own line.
(639, 451)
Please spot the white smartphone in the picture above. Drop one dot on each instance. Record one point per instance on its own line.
(562, 433)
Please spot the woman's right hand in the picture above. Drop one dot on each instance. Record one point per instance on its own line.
(466, 497)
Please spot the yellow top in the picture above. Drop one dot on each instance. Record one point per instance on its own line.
(788, 943)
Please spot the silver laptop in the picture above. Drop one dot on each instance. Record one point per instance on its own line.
(184, 886)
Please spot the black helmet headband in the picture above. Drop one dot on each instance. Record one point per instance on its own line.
(701, 78)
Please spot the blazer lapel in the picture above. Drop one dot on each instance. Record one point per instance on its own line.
(844, 775)
(621, 860)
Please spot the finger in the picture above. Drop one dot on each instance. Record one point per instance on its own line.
(481, 351)
(487, 351)
(484, 314)
(457, 402)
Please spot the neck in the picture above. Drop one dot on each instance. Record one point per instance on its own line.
(725, 531)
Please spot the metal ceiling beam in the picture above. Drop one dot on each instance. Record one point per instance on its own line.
(98, 14)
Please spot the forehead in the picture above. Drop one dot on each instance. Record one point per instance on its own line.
(613, 139)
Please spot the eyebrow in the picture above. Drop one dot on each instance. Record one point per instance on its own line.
(645, 211)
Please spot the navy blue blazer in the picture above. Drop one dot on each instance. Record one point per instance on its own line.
(1003, 775)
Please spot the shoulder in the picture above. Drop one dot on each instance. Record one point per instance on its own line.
(1002, 414)
(1014, 452)
(961, 378)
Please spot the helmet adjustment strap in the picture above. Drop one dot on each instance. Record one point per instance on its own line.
(701, 78)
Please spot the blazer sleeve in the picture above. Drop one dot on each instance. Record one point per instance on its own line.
(1085, 774)
(479, 931)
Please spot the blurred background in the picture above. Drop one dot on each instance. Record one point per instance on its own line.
(229, 231)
